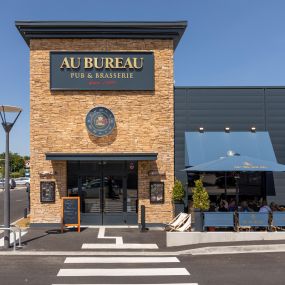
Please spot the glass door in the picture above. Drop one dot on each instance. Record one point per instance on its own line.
(91, 199)
(113, 193)
(108, 191)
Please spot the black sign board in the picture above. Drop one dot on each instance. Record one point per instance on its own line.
(156, 192)
(101, 70)
(47, 191)
(71, 211)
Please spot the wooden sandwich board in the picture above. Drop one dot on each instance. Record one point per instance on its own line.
(70, 212)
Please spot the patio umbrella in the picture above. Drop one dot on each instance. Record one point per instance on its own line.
(234, 162)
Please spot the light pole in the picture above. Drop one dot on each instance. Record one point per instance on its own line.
(4, 111)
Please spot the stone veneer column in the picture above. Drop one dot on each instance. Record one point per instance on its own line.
(144, 122)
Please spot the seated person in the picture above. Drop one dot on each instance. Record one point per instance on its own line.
(232, 205)
(244, 207)
(274, 207)
(223, 205)
(252, 206)
(213, 207)
(265, 208)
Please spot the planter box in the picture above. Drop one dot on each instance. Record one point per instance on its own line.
(178, 208)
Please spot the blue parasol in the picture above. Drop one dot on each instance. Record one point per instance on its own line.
(234, 162)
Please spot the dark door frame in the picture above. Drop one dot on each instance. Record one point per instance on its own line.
(102, 173)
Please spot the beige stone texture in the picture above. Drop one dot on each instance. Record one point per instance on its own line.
(144, 122)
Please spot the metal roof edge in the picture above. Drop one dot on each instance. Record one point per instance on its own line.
(102, 29)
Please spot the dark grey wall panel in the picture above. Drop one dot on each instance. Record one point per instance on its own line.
(275, 124)
(214, 109)
(238, 108)
(275, 120)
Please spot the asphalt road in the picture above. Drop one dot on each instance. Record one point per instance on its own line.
(18, 203)
(258, 268)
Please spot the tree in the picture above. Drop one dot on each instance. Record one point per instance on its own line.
(17, 163)
(200, 196)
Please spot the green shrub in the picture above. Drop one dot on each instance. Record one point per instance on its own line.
(15, 174)
(200, 196)
(178, 191)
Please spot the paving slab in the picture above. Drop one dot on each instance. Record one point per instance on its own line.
(46, 239)
(52, 240)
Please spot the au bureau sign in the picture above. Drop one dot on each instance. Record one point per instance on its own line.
(101, 71)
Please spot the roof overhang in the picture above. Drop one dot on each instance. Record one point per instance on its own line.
(101, 30)
(101, 156)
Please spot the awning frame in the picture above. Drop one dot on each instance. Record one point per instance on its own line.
(101, 156)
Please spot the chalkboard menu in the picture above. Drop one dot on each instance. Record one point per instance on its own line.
(71, 212)
(156, 190)
(47, 191)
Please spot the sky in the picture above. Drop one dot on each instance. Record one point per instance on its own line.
(226, 43)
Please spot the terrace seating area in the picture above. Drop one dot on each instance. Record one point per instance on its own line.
(249, 221)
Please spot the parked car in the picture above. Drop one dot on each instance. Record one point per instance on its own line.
(12, 183)
(23, 181)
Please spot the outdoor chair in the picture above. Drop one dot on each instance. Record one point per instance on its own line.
(186, 226)
(176, 222)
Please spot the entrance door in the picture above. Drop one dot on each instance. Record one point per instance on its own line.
(108, 192)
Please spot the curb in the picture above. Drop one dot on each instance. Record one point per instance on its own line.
(218, 250)
(238, 249)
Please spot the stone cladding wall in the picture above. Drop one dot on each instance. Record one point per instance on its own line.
(144, 123)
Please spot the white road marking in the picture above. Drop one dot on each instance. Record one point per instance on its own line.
(134, 284)
(121, 260)
(101, 235)
(123, 272)
(11, 238)
(119, 246)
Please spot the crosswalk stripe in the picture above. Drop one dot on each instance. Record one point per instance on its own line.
(123, 272)
(121, 260)
(119, 246)
(134, 284)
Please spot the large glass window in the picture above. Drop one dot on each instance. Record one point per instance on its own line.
(251, 184)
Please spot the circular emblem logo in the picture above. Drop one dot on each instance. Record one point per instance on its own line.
(100, 121)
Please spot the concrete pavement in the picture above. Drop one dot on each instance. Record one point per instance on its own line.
(50, 257)
(261, 269)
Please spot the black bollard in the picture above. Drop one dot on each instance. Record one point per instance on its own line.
(25, 213)
(28, 198)
(143, 227)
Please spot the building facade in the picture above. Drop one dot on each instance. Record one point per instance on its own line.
(108, 125)
(126, 165)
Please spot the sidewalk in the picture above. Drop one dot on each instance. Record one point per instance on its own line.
(53, 240)
(105, 241)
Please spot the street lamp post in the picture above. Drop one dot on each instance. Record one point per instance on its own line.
(7, 128)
